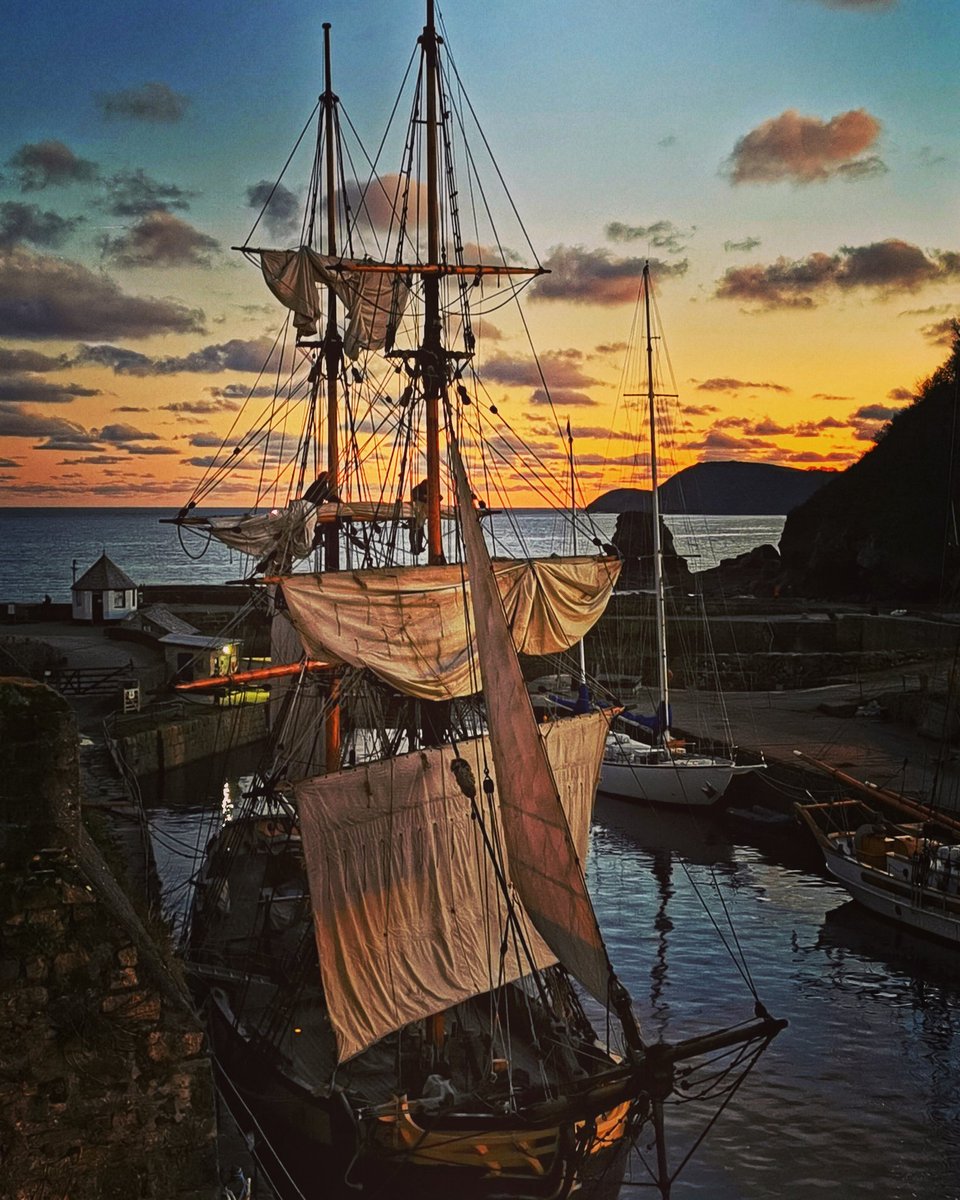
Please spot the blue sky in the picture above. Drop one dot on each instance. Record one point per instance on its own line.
(791, 165)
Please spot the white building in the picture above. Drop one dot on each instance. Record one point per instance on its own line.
(104, 593)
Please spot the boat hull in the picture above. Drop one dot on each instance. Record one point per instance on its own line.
(310, 1145)
(698, 782)
(922, 909)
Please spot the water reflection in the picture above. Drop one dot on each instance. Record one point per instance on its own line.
(859, 1097)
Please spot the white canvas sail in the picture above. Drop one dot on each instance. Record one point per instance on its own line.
(409, 624)
(408, 913)
(282, 535)
(373, 299)
(545, 861)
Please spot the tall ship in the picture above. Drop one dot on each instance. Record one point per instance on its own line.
(407, 988)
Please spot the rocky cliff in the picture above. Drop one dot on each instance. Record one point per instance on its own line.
(886, 528)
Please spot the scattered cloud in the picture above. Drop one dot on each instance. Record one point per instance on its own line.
(662, 235)
(829, 397)
(737, 385)
(806, 149)
(562, 398)
(902, 394)
(748, 243)
(238, 354)
(875, 412)
(136, 194)
(40, 165)
(886, 267)
(16, 421)
(941, 333)
(93, 460)
(211, 440)
(665, 142)
(28, 223)
(12, 359)
(159, 239)
(200, 407)
(44, 297)
(155, 103)
(34, 390)
(561, 369)
(596, 276)
(929, 160)
(277, 206)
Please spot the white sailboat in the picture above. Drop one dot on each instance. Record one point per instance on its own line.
(666, 769)
(392, 935)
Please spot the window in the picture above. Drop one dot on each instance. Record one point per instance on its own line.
(119, 599)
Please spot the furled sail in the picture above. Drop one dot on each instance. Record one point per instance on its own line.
(543, 856)
(409, 625)
(374, 300)
(408, 914)
(280, 536)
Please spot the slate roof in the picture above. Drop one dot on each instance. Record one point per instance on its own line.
(103, 576)
(196, 641)
(161, 617)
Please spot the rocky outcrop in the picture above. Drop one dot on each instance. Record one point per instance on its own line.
(755, 573)
(633, 539)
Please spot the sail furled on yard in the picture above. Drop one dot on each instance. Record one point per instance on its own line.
(544, 859)
(409, 624)
(374, 300)
(280, 536)
(408, 913)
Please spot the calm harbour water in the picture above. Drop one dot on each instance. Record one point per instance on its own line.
(40, 545)
(858, 1098)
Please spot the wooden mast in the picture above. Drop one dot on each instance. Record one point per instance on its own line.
(333, 355)
(332, 342)
(432, 362)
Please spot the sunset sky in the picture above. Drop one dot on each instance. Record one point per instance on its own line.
(790, 167)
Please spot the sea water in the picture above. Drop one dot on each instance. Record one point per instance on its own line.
(43, 550)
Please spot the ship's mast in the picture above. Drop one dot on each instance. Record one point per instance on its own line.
(333, 357)
(432, 363)
(332, 342)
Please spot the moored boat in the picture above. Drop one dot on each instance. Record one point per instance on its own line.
(660, 768)
(902, 871)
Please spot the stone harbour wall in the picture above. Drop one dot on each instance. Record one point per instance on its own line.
(147, 745)
(106, 1090)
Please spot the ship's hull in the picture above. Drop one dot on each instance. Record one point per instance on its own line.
(696, 782)
(315, 1147)
(925, 910)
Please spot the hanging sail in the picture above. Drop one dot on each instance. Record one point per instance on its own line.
(282, 535)
(374, 300)
(409, 625)
(545, 864)
(408, 913)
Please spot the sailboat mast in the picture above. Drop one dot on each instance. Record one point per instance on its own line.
(573, 520)
(659, 604)
(432, 360)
